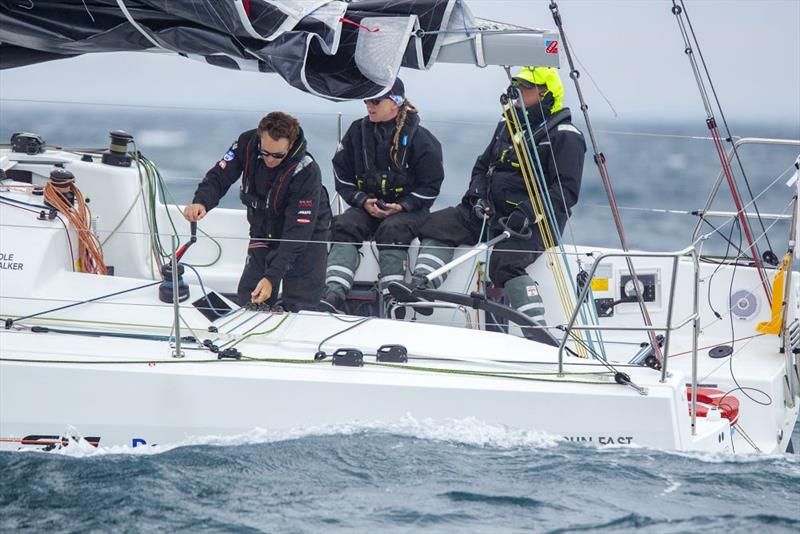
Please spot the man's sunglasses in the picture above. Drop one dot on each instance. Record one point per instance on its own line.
(274, 155)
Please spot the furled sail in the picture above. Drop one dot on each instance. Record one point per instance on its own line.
(333, 49)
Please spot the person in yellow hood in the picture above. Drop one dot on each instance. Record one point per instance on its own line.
(497, 191)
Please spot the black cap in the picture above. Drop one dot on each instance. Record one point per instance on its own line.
(398, 88)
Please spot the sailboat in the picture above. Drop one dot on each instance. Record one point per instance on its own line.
(106, 341)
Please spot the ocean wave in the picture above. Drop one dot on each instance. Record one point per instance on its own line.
(468, 431)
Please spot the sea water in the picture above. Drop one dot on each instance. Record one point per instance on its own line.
(409, 474)
(400, 476)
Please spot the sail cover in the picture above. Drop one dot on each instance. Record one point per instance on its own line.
(333, 49)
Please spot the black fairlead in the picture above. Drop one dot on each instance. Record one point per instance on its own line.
(392, 354)
(348, 358)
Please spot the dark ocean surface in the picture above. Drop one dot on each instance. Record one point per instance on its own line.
(402, 476)
(409, 475)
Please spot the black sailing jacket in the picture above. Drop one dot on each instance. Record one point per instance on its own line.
(364, 169)
(497, 178)
(287, 203)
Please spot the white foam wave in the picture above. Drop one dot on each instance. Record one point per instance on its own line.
(468, 431)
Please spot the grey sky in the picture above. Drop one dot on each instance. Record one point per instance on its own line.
(632, 49)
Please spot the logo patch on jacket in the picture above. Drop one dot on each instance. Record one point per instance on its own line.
(229, 155)
(304, 212)
(303, 220)
(305, 204)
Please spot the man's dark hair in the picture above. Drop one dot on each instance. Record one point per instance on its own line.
(279, 125)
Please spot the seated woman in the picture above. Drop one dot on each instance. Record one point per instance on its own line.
(389, 169)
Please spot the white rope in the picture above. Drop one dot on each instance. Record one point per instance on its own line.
(136, 25)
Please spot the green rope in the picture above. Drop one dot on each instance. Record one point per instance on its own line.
(265, 332)
(233, 316)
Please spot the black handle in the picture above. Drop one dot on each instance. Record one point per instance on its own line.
(517, 235)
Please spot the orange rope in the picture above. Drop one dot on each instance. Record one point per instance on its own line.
(90, 252)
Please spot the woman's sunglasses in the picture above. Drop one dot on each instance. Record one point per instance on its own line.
(274, 155)
(373, 101)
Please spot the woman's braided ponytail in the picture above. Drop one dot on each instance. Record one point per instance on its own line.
(400, 122)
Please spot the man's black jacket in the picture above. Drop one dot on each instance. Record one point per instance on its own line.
(286, 203)
(496, 176)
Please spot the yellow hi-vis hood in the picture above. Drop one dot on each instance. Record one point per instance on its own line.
(547, 76)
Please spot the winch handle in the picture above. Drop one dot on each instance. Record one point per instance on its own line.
(516, 235)
(192, 240)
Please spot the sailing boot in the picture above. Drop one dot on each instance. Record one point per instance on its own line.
(343, 261)
(392, 263)
(432, 255)
(523, 296)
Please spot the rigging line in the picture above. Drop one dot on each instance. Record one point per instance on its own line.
(239, 237)
(651, 134)
(687, 352)
(533, 149)
(236, 338)
(526, 169)
(265, 332)
(335, 334)
(730, 293)
(86, 321)
(167, 192)
(543, 197)
(716, 270)
(590, 302)
(722, 115)
(313, 113)
(712, 126)
(745, 435)
(117, 293)
(250, 317)
(727, 239)
(695, 213)
(735, 220)
(773, 223)
(735, 264)
(600, 161)
(596, 86)
(13, 203)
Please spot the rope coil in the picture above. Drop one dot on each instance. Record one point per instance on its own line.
(61, 193)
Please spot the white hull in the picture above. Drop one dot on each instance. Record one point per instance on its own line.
(132, 392)
(167, 402)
